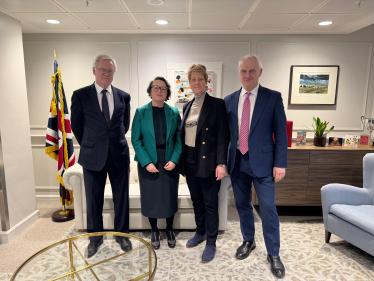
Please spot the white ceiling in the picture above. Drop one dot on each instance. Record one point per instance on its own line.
(192, 16)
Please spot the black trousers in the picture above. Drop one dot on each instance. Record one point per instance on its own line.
(204, 195)
(94, 182)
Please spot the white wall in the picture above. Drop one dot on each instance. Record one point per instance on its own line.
(146, 56)
(15, 131)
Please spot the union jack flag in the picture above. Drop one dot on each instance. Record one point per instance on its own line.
(59, 142)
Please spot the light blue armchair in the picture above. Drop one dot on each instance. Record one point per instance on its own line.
(348, 211)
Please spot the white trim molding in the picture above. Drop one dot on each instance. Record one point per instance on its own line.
(7, 236)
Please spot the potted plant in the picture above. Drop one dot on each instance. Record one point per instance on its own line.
(319, 131)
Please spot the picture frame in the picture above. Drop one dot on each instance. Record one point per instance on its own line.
(313, 84)
(214, 70)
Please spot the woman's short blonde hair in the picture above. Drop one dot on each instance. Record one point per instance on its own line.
(198, 68)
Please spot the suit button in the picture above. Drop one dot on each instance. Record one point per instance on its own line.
(168, 143)
(203, 142)
(203, 156)
(207, 129)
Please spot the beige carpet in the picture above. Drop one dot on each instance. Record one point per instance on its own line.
(37, 236)
(303, 251)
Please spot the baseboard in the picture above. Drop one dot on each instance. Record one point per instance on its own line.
(230, 201)
(7, 236)
(48, 199)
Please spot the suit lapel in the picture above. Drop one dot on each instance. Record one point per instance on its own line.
(149, 118)
(168, 119)
(185, 117)
(95, 102)
(204, 112)
(262, 97)
(116, 105)
(234, 110)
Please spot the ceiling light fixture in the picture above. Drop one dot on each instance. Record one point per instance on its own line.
(156, 2)
(325, 23)
(162, 22)
(53, 21)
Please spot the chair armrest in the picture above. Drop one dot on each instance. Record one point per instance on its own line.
(336, 193)
(70, 183)
(222, 197)
(73, 180)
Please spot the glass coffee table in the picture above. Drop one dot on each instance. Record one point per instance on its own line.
(66, 260)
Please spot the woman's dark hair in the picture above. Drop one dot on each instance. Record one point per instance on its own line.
(149, 89)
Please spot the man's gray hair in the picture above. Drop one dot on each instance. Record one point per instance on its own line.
(248, 57)
(104, 57)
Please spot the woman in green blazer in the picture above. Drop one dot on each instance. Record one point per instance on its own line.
(158, 147)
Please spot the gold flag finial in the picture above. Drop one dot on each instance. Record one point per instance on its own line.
(54, 54)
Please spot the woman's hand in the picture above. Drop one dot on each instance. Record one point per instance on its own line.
(169, 166)
(151, 168)
(220, 172)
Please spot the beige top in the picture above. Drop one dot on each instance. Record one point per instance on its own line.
(192, 119)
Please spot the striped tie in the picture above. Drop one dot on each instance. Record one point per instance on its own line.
(244, 125)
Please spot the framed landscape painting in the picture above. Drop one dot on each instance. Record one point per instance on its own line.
(313, 84)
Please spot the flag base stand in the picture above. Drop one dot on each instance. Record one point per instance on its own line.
(63, 215)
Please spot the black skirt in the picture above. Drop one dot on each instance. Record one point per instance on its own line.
(159, 191)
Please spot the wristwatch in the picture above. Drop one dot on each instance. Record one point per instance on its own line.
(222, 165)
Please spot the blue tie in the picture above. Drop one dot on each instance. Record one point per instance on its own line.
(105, 106)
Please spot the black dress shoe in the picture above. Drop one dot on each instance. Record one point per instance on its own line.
(124, 242)
(155, 240)
(277, 267)
(171, 239)
(245, 249)
(92, 248)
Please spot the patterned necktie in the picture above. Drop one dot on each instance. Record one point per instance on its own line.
(105, 106)
(244, 125)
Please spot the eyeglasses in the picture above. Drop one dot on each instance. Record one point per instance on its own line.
(156, 88)
(103, 71)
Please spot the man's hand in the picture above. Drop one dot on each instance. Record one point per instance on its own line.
(169, 166)
(278, 173)
(151, 168)
(220, 172)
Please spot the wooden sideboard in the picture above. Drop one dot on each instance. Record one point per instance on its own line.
(310, 168)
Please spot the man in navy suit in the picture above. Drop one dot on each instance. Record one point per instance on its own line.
(255, 113)
(100, 118)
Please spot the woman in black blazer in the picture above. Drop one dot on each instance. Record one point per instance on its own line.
(205, 136)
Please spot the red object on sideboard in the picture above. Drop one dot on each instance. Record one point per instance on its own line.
(289, 133)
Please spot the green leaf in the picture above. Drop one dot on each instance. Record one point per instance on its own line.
(330, 130)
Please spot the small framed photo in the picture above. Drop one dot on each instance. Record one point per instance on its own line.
(364, 140)
(351, 140)
(301, 138)
(313, 84)
(333, 141)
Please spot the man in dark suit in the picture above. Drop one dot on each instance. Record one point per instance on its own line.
(255, 113)
(100, 118)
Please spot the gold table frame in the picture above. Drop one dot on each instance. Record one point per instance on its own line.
(151, 273)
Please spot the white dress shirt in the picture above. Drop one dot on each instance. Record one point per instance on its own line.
(252, 99)
(109, 96)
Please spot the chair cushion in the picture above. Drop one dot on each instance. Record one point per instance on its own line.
(184, 197)
(360, 216)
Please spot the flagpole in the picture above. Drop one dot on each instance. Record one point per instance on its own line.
(64, 214)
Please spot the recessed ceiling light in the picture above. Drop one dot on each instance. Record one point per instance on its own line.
(325, 23)
(53, 21)
(161, 22)
(156, 2)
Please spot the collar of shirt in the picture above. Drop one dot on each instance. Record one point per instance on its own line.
(253, 92)
(99, 89)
